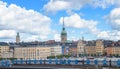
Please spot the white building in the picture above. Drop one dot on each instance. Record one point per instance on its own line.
(80, 48)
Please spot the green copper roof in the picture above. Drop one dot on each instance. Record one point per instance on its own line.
(63, 32)
(17, 34)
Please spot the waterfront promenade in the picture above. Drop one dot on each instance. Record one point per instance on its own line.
(112, 63)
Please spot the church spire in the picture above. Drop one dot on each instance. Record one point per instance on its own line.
(17, 38)
(63, 33)
(63, 24)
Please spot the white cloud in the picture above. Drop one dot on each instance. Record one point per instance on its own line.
(7, 34)
(76, 21)
(112, 2)
(57, 37)
(73, 21)
(73, 38)
(114, 18)
(111, 35)
(13, 17)
(103, 34)
(103, 3)
(57, 5)
(32, 38)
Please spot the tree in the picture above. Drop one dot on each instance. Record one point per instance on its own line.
(113, 55)
(117, 55)
(94, 55)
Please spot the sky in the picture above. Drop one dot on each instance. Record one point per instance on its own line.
(41, 20)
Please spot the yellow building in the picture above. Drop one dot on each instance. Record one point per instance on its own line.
(31, 52)
(3, 51)
(109, 50)
(116, 50)
(99, 47)
(36, 52)
(90, 50)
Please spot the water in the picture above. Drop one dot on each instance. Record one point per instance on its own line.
(105, 68)
(68, 68)
(40, 67)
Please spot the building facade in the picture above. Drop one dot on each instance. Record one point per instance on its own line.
(116, 50)
(109, 50)
(4, 49)
(80, 48)
(31, 52)
(99, 47)
(7, 54)
(56, 50)
(73, 51)
(36, 52)
(113, 50)
(90, 50)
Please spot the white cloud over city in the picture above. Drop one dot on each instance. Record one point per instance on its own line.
(7, 34)
(17, 19)
(110, 35)
(37, 25)
(76, 21)
(114, 18)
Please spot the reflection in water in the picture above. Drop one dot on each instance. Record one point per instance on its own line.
(105, 68)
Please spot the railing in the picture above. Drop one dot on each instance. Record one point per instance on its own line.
(104, 62)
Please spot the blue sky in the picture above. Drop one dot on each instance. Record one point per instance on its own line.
(42, 20)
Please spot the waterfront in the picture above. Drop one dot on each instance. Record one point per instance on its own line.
(58, 67)
(75, 63)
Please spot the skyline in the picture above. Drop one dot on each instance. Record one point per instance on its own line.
(42, 19)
